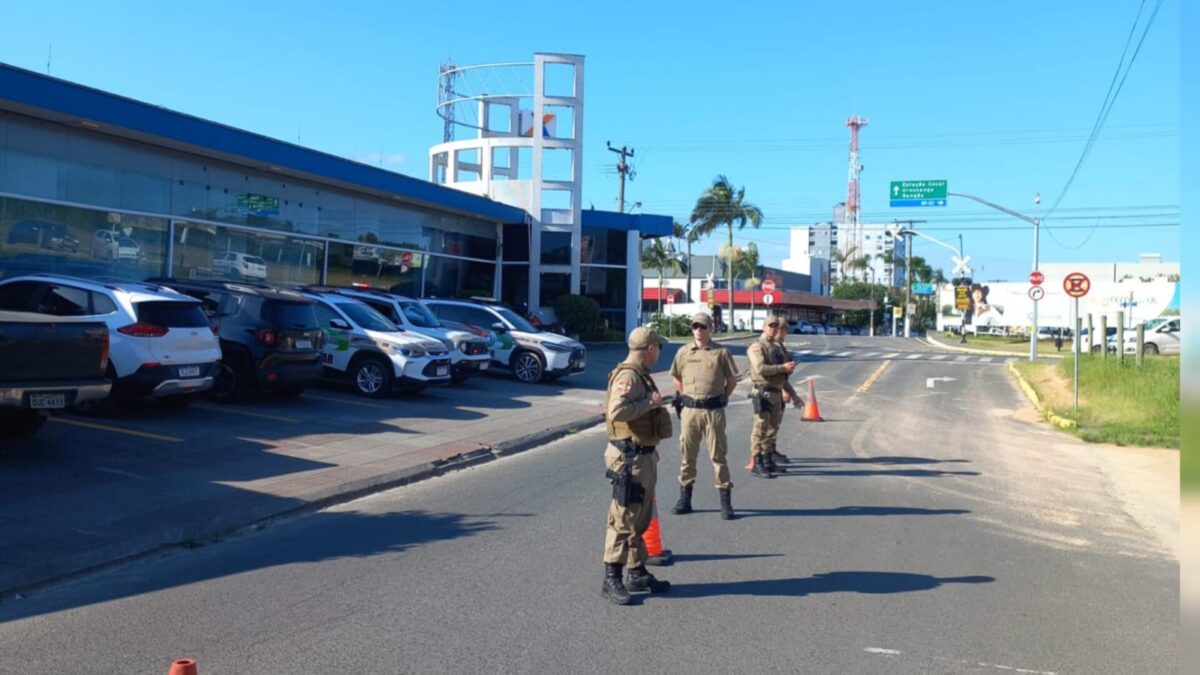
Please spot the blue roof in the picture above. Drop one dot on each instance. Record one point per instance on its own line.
(34, 93)
(655, 226)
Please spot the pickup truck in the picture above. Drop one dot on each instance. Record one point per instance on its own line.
(48, 363)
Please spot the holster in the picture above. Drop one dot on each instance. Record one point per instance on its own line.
(760, 402)
(625, 490)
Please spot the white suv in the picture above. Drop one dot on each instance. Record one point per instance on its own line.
(532, 354)
(469, 353)
(112, 245)
(161, 344)
(363, 346)
(240, 266)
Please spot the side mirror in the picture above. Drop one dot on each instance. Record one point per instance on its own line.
(499, 327)
(339, 324)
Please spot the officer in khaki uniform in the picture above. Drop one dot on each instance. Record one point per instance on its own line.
(704, 377)
(636, 422)
(770, 366)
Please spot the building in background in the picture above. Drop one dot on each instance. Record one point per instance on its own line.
(811, 253)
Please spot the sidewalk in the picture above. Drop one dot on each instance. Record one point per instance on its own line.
(942, 343)
(254, 464)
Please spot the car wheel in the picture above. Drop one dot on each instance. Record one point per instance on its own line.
(20, 423)
(528, 367)
(1150, 348)
(372, 377)
(231, 382)
(176, 402)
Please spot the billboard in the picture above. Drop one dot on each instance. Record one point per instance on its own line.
(1007, 304)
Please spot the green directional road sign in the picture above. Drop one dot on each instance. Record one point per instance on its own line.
(917, 193)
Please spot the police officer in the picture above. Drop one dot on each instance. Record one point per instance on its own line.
(636, 422)
(704, 377)
(770, 366)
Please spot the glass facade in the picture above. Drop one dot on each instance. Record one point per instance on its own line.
(606, 285)
(206, 251)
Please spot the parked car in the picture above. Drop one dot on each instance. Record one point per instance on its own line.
(270, 340)
(802, 327)
(533, 355)
(47, 363)
(1085, 340)
(469, 352)
(112, 245)
(51, 236)
(361, 345)
(240, 266)
(161, 344)
(1160, 336)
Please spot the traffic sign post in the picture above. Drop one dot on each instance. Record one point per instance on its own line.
(1036, 293)
(1036, 278)
(768, 299)
(917, 193)
(1077, 285)
(768, 285)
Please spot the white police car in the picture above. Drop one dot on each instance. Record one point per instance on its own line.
(362, 346)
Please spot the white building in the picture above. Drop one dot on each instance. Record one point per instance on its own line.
(811, 249)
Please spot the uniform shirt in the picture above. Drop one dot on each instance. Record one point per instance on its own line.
(704, 371)
(762, 372)
(630, 413)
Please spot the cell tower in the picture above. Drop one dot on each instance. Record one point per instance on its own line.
(851, 238)
(446, 93)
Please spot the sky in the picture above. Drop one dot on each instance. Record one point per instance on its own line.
(997, 98)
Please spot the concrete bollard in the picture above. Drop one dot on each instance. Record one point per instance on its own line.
(1102, 337)
(1141, 343)
(1121, 336)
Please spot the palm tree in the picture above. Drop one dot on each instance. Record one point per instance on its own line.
(656, 256)
(748, 263)
(689, 235)
(844, 259)
(721, 204)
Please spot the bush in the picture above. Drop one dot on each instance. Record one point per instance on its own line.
(675, 326)
(579, 315)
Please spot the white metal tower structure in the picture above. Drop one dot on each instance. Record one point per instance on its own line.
(515, 135)
(851, 234)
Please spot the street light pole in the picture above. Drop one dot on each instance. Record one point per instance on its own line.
(872, 330)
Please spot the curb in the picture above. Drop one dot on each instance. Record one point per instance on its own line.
(223, 528)
(1056, 420)
(985, 352)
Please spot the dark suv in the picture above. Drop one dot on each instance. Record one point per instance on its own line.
(270, 339)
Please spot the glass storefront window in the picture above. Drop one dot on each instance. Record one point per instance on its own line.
(461, 244)
(206, 251)
(39, 237)
(603, 247)
(607, 287)
(399, 271)
(452, 278)
(553, 285)
(514, 285)
(556, 248)
(516, 242)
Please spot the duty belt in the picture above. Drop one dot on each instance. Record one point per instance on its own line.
(630, 446)
(710, 403)
(771, 390)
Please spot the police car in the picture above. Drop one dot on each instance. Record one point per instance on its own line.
(533, 355)
(362, 346)
(470, 354)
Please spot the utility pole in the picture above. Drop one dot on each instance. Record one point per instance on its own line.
(907, 232)
(623, 169)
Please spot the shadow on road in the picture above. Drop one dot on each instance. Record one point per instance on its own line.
(852, 511)
(878, 460)
(872, 583)
(912, 473)
(712, 557)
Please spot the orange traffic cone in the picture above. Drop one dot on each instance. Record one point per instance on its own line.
(183, 667)
(656, 554)
(811, 412)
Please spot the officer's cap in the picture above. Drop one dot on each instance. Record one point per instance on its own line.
(702, 318)
(644, 336)
(775, 318)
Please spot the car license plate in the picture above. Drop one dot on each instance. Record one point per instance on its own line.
(189, 371)
(483, 365)
(443, 370)
(302, 343)
(47, 401)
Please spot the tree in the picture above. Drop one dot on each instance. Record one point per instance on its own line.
(656, 256)
(748, 263)
(689, 235)
(722, 204)
(843, 260)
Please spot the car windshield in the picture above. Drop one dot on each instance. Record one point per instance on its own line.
(126, 241)
(255, 260)
(419, 315)
(515, 320)
(290, 314)
(367, 318)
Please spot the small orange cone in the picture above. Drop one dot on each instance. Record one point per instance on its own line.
(183, 667)
(811, 412)
(656, 554)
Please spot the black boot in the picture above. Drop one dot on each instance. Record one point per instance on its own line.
(641, 581)
(726, 505)
(769, 461)
(760, 469)
(684, 505)
(779, 458)
(613, 588)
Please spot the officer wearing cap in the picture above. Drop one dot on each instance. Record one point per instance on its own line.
(704, 377)
(770, 366)
(636, 422)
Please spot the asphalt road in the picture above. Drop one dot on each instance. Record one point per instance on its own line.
(922, 528)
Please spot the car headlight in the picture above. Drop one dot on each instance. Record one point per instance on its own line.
(411, 352)
(555, 347)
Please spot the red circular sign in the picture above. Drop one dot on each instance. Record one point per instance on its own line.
(1077, 284)
(670, 298)
(768, 285)
(1036, 278)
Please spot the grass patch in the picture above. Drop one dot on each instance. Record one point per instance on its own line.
(1119, 403)
(1001, 343)
(1189, 465)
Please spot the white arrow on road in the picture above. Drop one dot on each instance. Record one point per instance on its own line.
(929, 381)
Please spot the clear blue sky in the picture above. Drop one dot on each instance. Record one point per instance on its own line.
(996, 97)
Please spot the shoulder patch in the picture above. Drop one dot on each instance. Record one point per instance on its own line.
(756, 347)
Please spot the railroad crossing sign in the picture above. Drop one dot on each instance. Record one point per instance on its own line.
(1036, 278)
(918, 193)
(960, 265)
(1077, 284)
(1036, 293)
(768, 285)
(768, 299)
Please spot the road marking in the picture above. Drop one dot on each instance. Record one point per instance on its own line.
(931, 381)
(985, 359)
(881, 650)
(825, 353)
(805, 351)
(892, 355)
(117, 472)
(346, 401)
(874, 376)
(960, 359)
(247, 413)
(870, 354)
(912, 357)
(115, 430)
(845, 353)
(939, 357)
